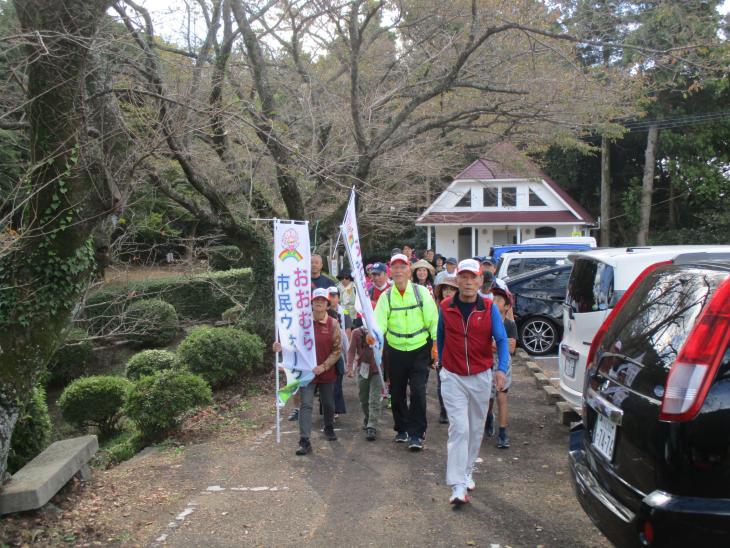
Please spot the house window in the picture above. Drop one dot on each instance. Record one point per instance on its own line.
(490, 197)
(535, 200)
(465, 200)
(509, 196)
(545, 232)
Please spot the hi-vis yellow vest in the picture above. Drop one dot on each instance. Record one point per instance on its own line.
(407, 321)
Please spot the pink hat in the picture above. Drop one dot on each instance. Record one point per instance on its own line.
(469, 265)
(399, 258)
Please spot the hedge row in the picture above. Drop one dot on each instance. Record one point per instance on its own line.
(201, 297)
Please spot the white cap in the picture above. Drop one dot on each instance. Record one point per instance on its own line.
(399, 258)
(320, 293)
(469, 265)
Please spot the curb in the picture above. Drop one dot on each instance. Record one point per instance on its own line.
(566, 415)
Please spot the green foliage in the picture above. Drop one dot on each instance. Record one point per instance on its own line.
(152, 322)
(220, 355)
(70, 360)
(121, 447)
(224, 257)
(32, 432)
(155, 403)
(94, 401)
(149, 362)
(199, 298)
(232, 314)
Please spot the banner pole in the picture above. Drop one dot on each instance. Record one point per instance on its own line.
(276, 363)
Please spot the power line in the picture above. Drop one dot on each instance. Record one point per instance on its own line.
(676, 121)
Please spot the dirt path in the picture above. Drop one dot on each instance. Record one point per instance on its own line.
(240, 488)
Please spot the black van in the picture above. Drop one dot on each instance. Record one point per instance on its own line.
(651, 464)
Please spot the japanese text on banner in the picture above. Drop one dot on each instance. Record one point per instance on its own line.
(292, 294)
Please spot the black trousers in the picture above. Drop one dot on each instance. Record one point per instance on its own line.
(409, 369)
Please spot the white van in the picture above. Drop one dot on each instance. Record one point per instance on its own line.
(518, 262)
(588, 240)
(597, 281)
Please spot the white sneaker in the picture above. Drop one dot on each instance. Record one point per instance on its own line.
(458, 495)
(469, 481)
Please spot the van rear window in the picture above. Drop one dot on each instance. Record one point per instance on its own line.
(654, 323)
(590, 287)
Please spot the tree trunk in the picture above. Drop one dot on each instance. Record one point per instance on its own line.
(605, 192)
(647, 185)
(672, 206)
(43, 275)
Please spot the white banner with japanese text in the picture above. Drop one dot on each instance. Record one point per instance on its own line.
(292, 295)
(351, 238)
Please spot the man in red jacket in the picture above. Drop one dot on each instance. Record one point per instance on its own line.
(467, 324)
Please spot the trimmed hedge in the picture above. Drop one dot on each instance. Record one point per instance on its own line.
(201, 297)
(224, 257)
(220, 355)
(151, 322)
(155, 403)
(95, 401)
(70, 360)
(149, 362)
(32, 432)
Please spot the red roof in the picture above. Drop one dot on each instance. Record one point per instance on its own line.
(505, 161)
(500, 217)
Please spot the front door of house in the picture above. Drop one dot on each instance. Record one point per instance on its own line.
(464, 243)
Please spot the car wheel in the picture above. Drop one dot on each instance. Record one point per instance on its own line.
(538, 336)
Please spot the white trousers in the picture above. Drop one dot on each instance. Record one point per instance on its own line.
(466, 400)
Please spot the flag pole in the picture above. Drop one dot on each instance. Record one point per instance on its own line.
(276, 363)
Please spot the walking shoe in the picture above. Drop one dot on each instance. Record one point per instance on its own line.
(469, 482)
(503, 441)
(370, 434)
(401, 437)
(489, 428)
(443, 419)
(304, 447)
(415, 443)
(458, 495)
(329, 434)
(294, 415)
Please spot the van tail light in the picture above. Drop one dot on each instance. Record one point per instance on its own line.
(601, 333)
(692, 373)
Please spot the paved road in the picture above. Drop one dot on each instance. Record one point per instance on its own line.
(356, 493)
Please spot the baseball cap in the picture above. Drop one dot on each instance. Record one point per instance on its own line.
(451, 260)
(379, 267)
(395, 251)
(487, 260)
(320, 293)
(332, 290)
(469, 265)
(399, 258)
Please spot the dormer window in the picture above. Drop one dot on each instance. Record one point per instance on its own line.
(465, 200)
(490, 196)
(509, 196)
(535, 200)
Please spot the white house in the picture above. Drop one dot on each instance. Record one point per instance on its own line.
(501, 198)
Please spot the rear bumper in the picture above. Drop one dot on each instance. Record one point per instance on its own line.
(677, 521)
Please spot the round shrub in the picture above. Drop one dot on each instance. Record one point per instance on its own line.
(149, 362)
(32, 431)
(94, 401)
(70, 360)
(220, 354)
(151, 322)
(224, 257)
(156, 403)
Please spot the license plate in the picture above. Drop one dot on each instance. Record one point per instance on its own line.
(570, 366)
(604, 436)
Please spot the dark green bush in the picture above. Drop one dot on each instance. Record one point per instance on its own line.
(71, 359)
(201, 297)
(151, 322)
(95, 401)
(32, 431)
(156, 403)
(232, 314)
(149, 362)
(224, 257)
(220, 354)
